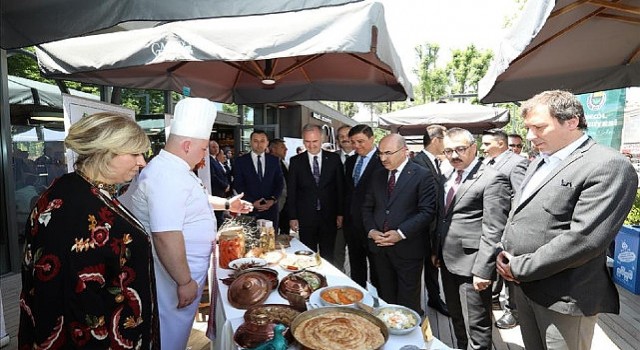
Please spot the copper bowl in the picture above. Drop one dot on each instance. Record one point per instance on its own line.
(249, 289)
(275, 313)
(302, 283)
(250, 334)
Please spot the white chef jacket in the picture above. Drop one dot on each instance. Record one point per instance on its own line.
(168, 196)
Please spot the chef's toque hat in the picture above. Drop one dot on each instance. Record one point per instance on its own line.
(193, 117)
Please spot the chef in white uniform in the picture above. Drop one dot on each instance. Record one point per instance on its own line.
(174, 206)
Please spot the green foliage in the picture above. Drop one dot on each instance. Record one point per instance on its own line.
(433, 81)
(230, 108)
(634, 215)
(466, 68)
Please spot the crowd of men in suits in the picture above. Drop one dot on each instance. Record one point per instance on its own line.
(488, 223)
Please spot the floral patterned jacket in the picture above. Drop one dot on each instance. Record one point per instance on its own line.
(87, 273)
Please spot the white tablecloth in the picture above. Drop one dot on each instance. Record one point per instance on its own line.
(228, 318)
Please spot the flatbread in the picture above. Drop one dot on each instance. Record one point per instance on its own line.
(339, 330)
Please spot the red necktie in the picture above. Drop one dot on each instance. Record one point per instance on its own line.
(452, 190)
(390, 186)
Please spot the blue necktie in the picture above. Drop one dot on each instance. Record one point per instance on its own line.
(316, 176)
(357, 171)
(316, 169)
(259, 169)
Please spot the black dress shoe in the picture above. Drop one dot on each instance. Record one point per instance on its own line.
(439, 305)
(507, 321)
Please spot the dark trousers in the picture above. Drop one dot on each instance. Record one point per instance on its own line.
(358, 253)
(460, 297)
(399, 277)
(284, 221)
(219, 217)
(319, 233)
(431, 277)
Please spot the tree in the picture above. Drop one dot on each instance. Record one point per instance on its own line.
(433, 81)
(466, 68)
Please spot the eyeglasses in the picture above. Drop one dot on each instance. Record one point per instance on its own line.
(389, 153)
(459, 150)
(519, 145)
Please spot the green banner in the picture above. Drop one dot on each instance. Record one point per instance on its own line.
(604, 111)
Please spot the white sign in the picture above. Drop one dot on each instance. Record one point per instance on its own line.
(74, 108)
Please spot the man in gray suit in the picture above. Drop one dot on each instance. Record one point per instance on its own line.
(574, 199)
(476, 206)
(428, 158)
(497, 155)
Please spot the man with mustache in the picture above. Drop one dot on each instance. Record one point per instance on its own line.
(476, 204)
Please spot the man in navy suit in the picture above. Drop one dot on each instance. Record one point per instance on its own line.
(315, 199)
(258, 175)
(358, 170)
(398, 207)
(219, 183)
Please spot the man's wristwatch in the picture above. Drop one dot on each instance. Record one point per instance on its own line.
(227, 205)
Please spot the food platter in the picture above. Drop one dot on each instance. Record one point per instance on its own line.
(400, 320)
(299, 262)
(339, 328)
(246, 263)
(316, 298)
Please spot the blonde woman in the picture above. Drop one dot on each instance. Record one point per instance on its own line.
(87, 274)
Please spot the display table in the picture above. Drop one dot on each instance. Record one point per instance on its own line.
(228, 318)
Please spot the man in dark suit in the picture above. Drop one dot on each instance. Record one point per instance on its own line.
(278, 149)
(219, 182)
(498, 156)
(477, 202)
(399, 206)
(345, 151)
(574, 199)
(427, 158)
(258, 175)
(315, 190)
(358, 170)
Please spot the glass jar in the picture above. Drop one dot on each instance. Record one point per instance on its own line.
(231, 245)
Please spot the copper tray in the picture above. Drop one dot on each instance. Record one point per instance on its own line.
(324, 310)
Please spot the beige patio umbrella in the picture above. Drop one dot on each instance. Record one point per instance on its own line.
(577, 45)
(340, 53)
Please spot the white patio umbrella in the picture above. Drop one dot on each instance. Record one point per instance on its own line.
(340, 53)
(414, 120)
(576, 45)
(27, 23)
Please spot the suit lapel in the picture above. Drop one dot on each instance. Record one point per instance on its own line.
(473, 176)
(577, 154)
(405, 177)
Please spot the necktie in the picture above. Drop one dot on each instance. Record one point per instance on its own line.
(452, 190)
(357, 171)
(316, 169)
(438, 171)
(259, 168)
(316, 176)
(492, 161)
(391, 184)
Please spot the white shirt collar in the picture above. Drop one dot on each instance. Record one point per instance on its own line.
(563, 153)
